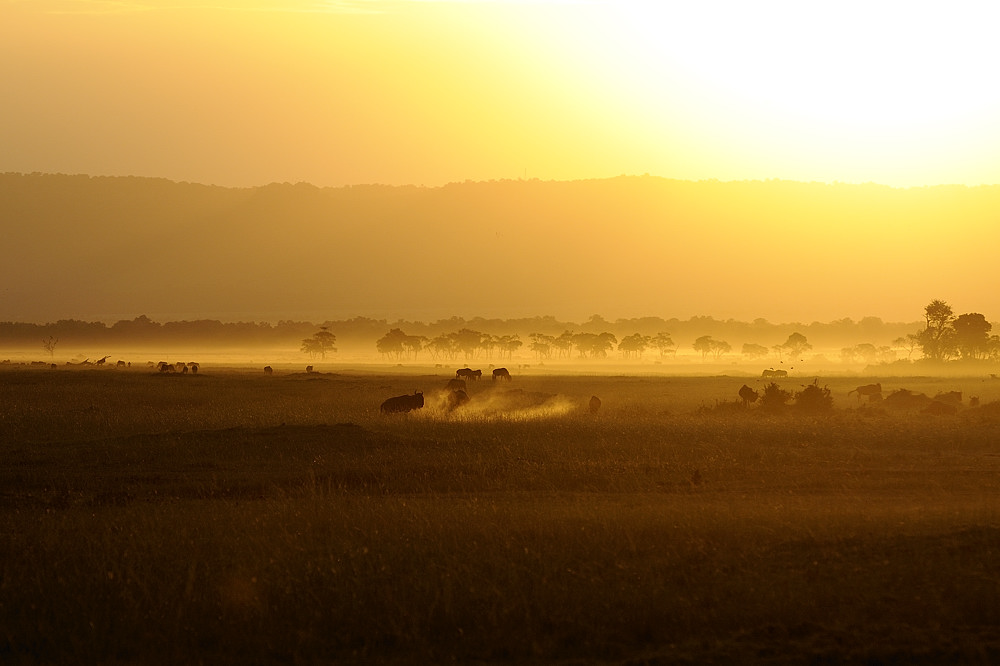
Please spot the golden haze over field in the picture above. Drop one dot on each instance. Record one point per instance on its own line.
(242, 93)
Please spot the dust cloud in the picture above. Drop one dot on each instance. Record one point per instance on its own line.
(497, 405)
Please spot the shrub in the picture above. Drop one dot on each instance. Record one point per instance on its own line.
(813, 398)
(774, 398)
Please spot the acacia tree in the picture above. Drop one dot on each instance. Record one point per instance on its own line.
(663, 343)
(50, 346)
(508, 344)
(795, 345)
(469, 342)
(937, 338)
(541, 345)
(972, 335)
(634, 345)
(395, 344)
(564, 344)
(320, 343)
(753, 351)
(706, 345)
(910, 342)
(593, 344)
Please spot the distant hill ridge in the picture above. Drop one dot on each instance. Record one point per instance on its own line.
(500, 248)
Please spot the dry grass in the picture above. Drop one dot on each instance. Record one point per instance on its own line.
(230, 517)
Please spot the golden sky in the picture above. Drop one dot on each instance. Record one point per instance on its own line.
(426, 92)
(247, 92)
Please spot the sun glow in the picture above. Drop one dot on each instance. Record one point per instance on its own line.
(891, 92)
(427, 92)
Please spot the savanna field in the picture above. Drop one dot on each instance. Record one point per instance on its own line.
(232, 517)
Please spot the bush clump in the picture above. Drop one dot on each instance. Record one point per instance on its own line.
(813, 398)
(775, 398)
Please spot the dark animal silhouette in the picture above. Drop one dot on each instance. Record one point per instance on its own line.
(950, 398)
(194, 367)
(594, 404)
(120, 364)
(456, 399)
(268, 370)
(456, 385)
(748, 395)
(163, 366)
(403, 403)
(309, 368)
(871, 390)
(469, 374)
(501, 373)
(771, 372)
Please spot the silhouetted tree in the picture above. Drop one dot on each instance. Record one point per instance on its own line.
(796, 344)
(634, 345)
(910, 342)
(663, 343)
(706, 345)
(937, 338)
(703, 345)
(320, 343)
(564, 343)
(541, 345)
(443, 345)
(49, 345)
(395, 343)
(593, 344)
(508, 344)
(993, 348)
(721, 347)
(972, 335)
(753, 351)
(469, 342)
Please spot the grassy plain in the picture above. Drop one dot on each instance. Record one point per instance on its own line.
(230, 517)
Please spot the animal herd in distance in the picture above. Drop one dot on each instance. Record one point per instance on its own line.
(457, 388)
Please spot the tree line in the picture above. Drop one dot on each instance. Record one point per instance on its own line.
(944, 337)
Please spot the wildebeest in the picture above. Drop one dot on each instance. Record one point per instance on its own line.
(194, 367)
(594, 404)
(950, 397)
(163, 366)
(748, 395)
(120, 364)
(456, 399)
(871, 390)
(403, 403)
(771, 372)
(268, 370)
(309, 369)
(501, 373)
(456, 385)
(468, 374)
